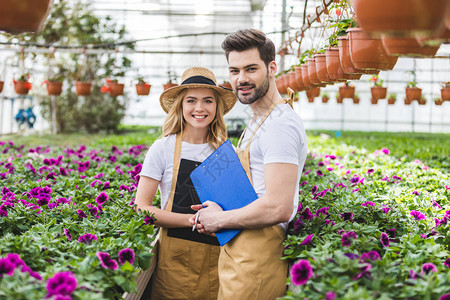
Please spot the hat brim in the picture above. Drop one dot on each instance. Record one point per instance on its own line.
(169, 96)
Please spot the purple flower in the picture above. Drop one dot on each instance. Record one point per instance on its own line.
(307, 215)
(149, 220)
(371, 255)
(126, 254)
(314, 189)
(99, 175)
(106, 261)
(63, 283)
(323, 211)
(391, 232)
(329, 221)
(102, 198)
(6, 267)
(370, 171)
(415, 193)
(445, 297)
(303, 183)
(319, 173)
(417, 215)
(447, 262)
(412, 274)
(347, 216)
(365, 271)
(124, 187)
(435, 204)
(330, 296)
(87, 238)
(385, 209)
(63, 172)
(3, 212)
(106, 185)
(347, 238)
(384, 239)
(395, 177)
(67, 234)
(81, 214)
(43, 199)
(321, 164)
(307, 240)
(94, 183)
(427, 268)
(368, 203)
(31, 272)
(15, 259)
(301, 271)
(355, 179)
(385, 151)
(351, 255)
(298, 224)
(5, 190)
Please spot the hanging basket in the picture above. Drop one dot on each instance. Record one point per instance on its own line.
(312, 74)
(407, 101)
(334, 67)
(422, 101)
(22, 87)
(1, 86)
(54, 88)
(408, 47)
(445, 94)
(346, 61)
(325, 99)
(143, 89)
(298, 77)
(312, 93)
(116, 89)
(292, 82)
(321, 69)
(378, 92)
(168, 85)
(356, 100)
(24, 15)
(401, 17)
(339, 100)
(413, 93)
(347, 92)
(373, 101)
(438, 102)
(391, 101)
(308, 84)
(83, 88)
(367, 52)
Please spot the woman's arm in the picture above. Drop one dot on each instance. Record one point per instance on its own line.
(146, 191)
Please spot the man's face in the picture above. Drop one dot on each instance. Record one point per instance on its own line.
(249, 76)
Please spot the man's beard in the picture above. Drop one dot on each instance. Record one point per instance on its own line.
(260, 91)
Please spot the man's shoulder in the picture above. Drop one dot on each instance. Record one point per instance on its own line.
(283, 115)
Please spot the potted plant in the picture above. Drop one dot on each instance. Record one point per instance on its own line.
(29, 16)
(171, 82)
(445, 91)
(373, 101)
(339, 99)
(83, 88)
(142, 87)
(377, 90)
(312, 93)
(438, 101)
(413, 92)
(347, 90)
(325, 97)
(54, 85)
(22, 86)
(392, 98)
(422, 100)
(1, 86)
(113, 87)
(356, 99)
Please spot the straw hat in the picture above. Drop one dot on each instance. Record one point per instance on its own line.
(197, 77)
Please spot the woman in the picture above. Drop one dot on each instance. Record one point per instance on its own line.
(193, 129)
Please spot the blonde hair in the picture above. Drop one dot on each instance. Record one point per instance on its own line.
(175, 122)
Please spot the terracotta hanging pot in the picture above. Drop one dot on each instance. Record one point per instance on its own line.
(305, 76)
(374, 101)
(407, 47)
(24, 15)
(22, 87)
(413, 93)
(334, 67)
(321, 69)
(391, 101)
(422, 101)
(285, 79)
(401, 17)
(325, 99)
(54, 88)
(407, 101)
(346, 61)
(438, 102)
(378, 92)
(1, 86)
(298, 77)
(168, 85)
(367, 52)
(445, 93)
(312, 93)
(292, 82)
(347, 92)
(143, 89)
(116, 89)
(339, 100)
(83, 88)
(312, 74)
(356, 100)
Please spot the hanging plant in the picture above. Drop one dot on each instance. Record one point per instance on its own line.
(413, 92)
(325, 98)
(54, 85)
(438, 101)
(347, 91)
(422, 100)
(392, 98)
(377, 90)
(445, 91)
(142, 87)
(22, 86)
(113, 87)
(356, 99)
(312, 93)
(23, 16)
(171, 82)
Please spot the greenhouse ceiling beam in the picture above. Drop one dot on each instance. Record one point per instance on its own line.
(88, 51)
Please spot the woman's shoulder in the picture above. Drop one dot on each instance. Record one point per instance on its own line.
(164, 142)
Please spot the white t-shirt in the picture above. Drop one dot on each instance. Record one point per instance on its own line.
(280, 139)
(158, 162)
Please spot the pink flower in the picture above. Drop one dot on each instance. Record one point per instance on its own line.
(427, 268)
(368, 203)
(301, 271)
(347, 238)
(417, 215)
(384, 239)
(307, 240)
(106, 261)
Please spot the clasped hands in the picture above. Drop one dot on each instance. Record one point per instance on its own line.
(208, 214)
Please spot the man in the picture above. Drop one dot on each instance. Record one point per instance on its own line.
(272, 150)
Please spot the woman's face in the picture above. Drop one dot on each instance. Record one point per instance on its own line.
(199, 107)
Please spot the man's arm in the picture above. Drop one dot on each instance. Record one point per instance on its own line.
(274, 207)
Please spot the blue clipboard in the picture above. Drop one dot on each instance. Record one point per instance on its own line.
(222, 179)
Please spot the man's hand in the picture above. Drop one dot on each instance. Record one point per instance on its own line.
(208, 217)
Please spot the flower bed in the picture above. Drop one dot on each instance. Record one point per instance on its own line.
(370, 226)
(68, 228)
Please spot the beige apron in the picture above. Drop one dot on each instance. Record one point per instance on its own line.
(185, 269)
(249, 265)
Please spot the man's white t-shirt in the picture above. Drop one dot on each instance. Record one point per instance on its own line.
(158, 162)
(280, 139)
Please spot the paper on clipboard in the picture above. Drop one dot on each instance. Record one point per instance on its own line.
(222, 179)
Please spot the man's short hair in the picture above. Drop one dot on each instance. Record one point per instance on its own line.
(245, 39)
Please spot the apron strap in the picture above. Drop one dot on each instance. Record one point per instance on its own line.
(176, 168)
